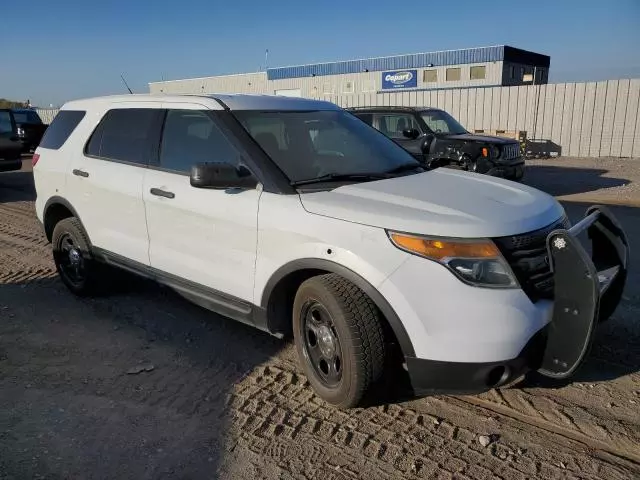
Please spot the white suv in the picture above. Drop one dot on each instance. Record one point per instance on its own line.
(292, 215)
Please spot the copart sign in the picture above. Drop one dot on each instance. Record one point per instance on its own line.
(399, 79)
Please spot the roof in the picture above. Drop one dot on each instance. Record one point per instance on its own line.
(213, 101)
(416, 60)
(386, 108)
(272, 102)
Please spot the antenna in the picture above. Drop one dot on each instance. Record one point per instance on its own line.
(125, 84)
(266, 59)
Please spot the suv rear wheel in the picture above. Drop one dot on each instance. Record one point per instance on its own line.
(72, 256)
(339, 339)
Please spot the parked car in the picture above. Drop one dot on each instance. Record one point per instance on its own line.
(294, 216)
(10, 147)
(436, 139)
(30, 128)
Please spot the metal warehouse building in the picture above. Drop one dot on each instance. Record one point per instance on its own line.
(451, 69)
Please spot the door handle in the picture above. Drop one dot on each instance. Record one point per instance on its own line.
(162, 193)
(80, 173)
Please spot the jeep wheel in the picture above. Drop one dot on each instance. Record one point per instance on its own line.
(72, 257)
(339, 339)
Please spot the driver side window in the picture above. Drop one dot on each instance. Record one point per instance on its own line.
(436, 124)
(190, 137)
(392, 125)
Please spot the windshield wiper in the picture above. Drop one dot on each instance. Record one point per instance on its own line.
(332, 177)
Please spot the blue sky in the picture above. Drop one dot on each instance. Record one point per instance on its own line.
(55, 51)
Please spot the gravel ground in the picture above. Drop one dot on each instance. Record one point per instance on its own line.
(142, 384)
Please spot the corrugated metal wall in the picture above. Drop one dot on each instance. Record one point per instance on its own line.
(396, 62)
(47, 114)
(596, 119)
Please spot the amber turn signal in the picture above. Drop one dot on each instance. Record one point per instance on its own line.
(439, 249)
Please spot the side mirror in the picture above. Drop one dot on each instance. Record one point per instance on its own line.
(426, 143)
(221, 176)
(411, 133)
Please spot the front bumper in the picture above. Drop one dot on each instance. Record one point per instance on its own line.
(510, 169)
(587, 291)
(10, 165)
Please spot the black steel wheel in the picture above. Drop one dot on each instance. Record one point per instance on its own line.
(321, 343)
(71, 260)
(72, 256)
(339, 339)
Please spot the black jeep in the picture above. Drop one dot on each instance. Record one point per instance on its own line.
(436, 139)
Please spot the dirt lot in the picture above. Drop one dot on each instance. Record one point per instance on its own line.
(206, 397)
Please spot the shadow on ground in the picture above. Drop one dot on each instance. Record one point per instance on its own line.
(561, 181)
(133, 385)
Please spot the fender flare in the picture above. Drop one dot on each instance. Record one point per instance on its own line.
(320, 264)
(56, 200)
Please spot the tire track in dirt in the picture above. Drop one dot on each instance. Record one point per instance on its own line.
(276, 404)
(275, 414)
(619, 428)
(625, 448)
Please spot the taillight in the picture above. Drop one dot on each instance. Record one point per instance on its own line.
(34, 159)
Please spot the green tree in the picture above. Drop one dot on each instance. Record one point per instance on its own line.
(4, 103)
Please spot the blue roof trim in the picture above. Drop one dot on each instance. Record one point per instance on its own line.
(399, 62)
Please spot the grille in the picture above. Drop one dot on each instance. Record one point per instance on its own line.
(511, 150)
(527, 256)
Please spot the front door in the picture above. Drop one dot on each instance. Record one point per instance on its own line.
(205, 236)
(394, 124)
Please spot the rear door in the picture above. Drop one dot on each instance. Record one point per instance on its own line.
(207, 237)
(105, 180)
(9, 146)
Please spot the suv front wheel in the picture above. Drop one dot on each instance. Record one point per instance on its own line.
(339, 339)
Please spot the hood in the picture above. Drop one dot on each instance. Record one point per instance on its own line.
(470, 137)
(442, 202)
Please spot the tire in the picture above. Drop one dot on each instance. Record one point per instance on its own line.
(354, 322)
(69, 235)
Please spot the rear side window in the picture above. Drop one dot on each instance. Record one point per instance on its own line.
(62, 126)
(6, 126)
(126, 135)
(27, 117)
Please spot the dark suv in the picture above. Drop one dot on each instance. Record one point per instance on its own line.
(10, 146)
(436, 139)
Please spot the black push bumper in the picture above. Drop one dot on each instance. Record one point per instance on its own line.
(587, 291)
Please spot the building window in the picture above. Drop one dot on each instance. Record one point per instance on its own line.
(348, 87)
(478, 73)
(368, 86)
(521, 73)
(453, 74)
(430, 76)
(512, 72)
(327, 89)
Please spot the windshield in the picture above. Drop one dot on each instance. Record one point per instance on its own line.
(440, 121)
(311, 144)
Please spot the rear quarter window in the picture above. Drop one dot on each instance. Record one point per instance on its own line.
(61, 128)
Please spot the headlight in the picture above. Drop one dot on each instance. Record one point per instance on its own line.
(495, 151)
(476, 262)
